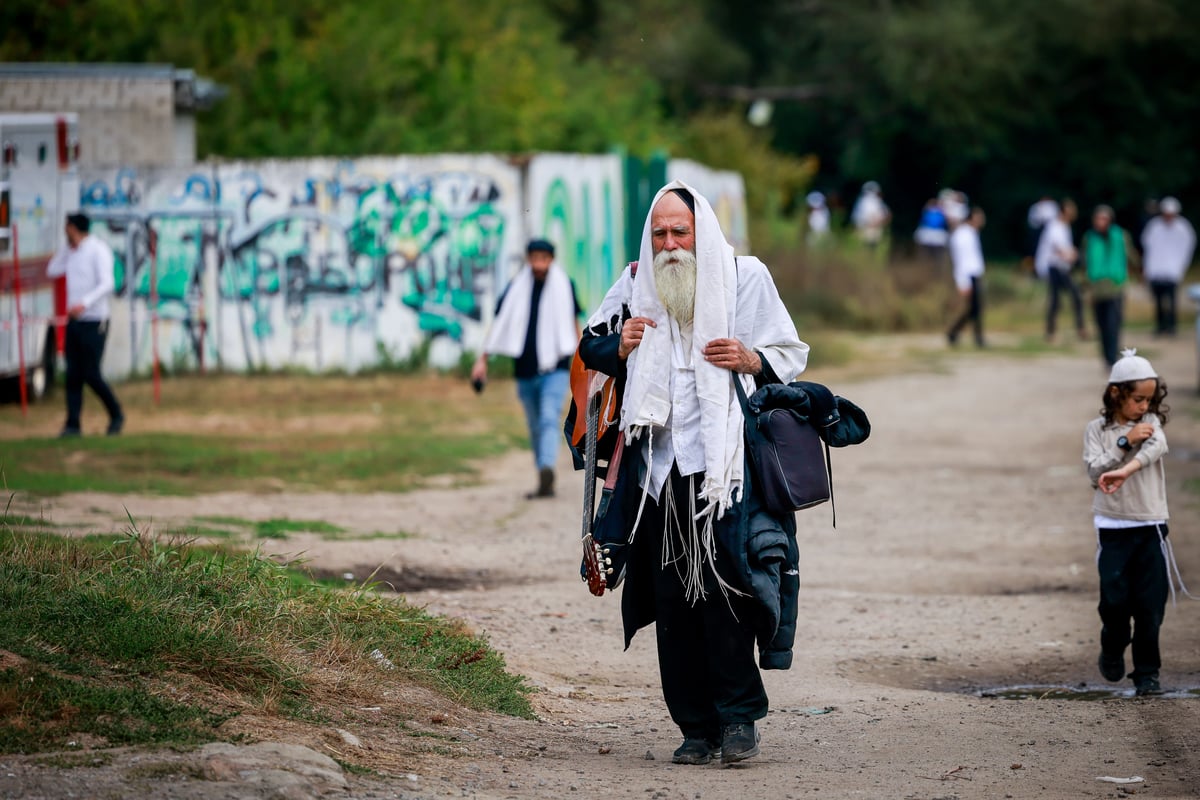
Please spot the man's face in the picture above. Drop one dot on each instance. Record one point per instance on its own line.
(672, 225)
(1101, 220)
(73, 235)
(539, 261)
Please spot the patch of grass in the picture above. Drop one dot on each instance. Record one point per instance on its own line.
(279, 528)
(74, 760)
(220, 520)
(262, 433)
(99, 625)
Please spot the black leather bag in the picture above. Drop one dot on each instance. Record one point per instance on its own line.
(789, 457)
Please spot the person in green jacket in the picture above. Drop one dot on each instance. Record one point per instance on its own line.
(1106, 249)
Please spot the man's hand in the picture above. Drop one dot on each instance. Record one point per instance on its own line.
(479, 369)
(1140, 433)
(733, 355)
(75, 312)
(631, 334)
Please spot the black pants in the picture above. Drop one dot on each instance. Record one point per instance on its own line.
(1061, 281)
(1108, 312)
(84, 350)
(973, 314)
(705, 654)
(1133, 586)
(1164, 306)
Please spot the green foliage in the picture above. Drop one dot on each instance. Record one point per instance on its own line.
(96, 627)
(1006, 102)
(725, 141)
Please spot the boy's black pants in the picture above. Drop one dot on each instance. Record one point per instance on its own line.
(1133, 586)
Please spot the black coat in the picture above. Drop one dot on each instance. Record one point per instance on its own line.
(759, 554)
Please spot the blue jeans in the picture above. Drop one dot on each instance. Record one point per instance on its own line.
(543, 398)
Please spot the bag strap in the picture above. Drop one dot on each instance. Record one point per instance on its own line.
(751, 417)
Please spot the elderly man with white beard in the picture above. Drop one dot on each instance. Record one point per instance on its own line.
(676, 336)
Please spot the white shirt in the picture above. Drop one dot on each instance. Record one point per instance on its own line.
(1168, 248)
(1054, 248)
(1042, 212)
(89, 271)
(966, 254)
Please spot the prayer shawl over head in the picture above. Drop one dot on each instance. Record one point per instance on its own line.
(647, 401)
(556, 336)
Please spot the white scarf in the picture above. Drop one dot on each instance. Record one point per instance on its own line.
(556, 334)
(647, 400)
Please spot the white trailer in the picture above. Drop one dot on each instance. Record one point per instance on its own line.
(39, 186)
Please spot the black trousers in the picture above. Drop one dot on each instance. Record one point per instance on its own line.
(1164, 305)
(705, 654)
(1108, 313)
(973, 314)
(1133, 587)
(84, 351)
(1061, 281)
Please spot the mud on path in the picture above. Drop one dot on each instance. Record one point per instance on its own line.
(962, 562)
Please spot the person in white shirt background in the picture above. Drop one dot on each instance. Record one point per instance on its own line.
(1168, 243)
(966, 256)
(1055, 257)
(87, 263)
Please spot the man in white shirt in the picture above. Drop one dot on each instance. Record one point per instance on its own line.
(1168, 243)
(1055, 256)
(966, 255)
(87, 263)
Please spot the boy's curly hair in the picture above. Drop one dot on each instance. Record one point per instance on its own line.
(1157, 406)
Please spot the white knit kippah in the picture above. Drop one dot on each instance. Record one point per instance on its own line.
(1131, 367)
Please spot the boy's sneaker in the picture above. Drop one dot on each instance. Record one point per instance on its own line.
(1147, 685)
(1112, 667)
(695, 751)
(738, 742)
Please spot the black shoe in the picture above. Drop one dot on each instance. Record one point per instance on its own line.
(695, 751)
(545, 484)
(739, 741)
(70, 433)
(1148, 685)
(1112, 667)
(115, 425)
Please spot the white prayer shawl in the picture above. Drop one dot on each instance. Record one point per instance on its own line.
(556, 336)
(1168, 247)
(679, 400)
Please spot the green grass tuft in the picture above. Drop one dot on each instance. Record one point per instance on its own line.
(93, 629)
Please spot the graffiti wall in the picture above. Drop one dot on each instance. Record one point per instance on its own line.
(327, 264)
(318, 264)
(576, 202)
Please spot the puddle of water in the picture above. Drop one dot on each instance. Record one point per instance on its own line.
(1079, 693)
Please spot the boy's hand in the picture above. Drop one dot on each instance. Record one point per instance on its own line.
(1140, 433)
(1112, 480)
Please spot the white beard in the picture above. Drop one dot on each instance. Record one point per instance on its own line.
(675, 280)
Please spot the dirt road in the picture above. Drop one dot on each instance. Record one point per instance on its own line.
(962, 562)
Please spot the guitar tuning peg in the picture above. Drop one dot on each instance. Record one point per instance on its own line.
(608, 561)
(608, 571)
(605, 550)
